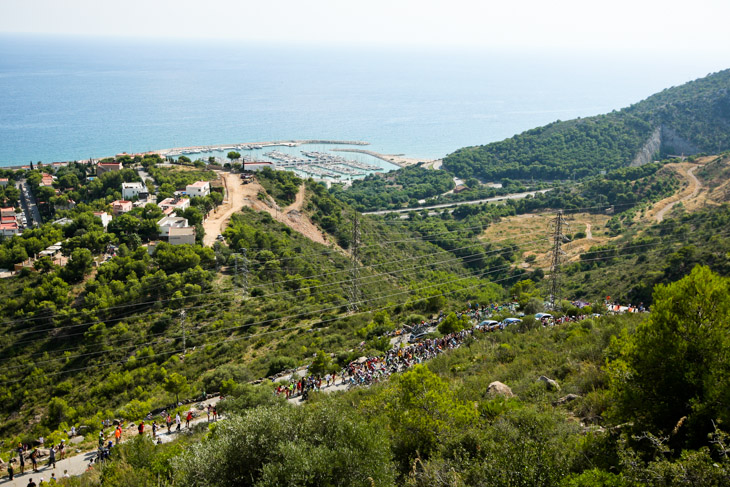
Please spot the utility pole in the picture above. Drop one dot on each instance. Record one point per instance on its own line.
(557, 252)
(182, 321)
(354, 264)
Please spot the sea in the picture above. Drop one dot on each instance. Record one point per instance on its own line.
(73, 98)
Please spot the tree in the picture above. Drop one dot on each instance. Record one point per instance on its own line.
(78, 265)
(423, 413)
(321, 364)
(176, 384)
(233, 155)
(671, 375)
(44, 265)
(452, 324)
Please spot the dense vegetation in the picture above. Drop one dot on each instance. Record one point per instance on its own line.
(694, 117)
(394, 189)
(619, 413)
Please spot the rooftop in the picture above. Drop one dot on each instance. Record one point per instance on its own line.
(198, 184)
(133, 185)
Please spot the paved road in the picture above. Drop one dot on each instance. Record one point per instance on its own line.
(29, 204)
(145, 176)
(79, 462)
(513, 196)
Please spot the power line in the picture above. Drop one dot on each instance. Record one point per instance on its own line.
(354, 264)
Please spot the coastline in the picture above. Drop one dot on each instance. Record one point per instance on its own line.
(178, 151)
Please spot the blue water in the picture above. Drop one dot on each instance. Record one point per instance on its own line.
(72, 98)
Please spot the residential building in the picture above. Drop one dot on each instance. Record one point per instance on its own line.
(4, 181)
(198, 189)
(46, 180)
(7, 211)
(169, 205)
(171, 222)
(105, 217)
(121, 206)
(181, 235)
(134, 190)
(104, 167)
(9, 229)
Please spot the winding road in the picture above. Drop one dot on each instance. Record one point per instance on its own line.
(513, 196)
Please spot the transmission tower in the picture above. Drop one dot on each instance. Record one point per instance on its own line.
(241, 265)
(354, 265)
(558, 237)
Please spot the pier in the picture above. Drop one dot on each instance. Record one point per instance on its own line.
(398, 159)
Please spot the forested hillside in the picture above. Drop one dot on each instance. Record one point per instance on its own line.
(691, 118)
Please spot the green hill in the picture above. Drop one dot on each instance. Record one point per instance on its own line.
(688, 119)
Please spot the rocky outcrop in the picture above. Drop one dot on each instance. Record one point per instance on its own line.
(550, 383)
(566, 399)
(651, 147)
(497, 388)
(666, 141)
(673, 144)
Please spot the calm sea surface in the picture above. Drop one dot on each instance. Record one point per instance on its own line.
(72, 98)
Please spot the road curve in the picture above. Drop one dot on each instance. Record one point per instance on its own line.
(697, 186)
(513, 196)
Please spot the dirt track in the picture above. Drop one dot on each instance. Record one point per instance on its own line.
(290, 216)
(233, 203)
(239, 195)
(691, 191)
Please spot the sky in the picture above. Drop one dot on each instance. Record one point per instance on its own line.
(686, 28)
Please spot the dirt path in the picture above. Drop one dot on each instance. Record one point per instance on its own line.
(217, 222)
(298, 200)
(688, 193)
(589, 233)
(290, 216)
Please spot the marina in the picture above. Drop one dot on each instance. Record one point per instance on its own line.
(314, 159)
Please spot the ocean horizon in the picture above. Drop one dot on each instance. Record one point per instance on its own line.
(72, 98)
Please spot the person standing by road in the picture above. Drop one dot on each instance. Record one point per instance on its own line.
(140, 428)
(34, 459)
(22, 458)
(118, 433)
(52, 457)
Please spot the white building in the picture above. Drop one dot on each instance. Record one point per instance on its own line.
(169, 222)
(198, 189)
(134, 190)
(105, 217)
(169, 205)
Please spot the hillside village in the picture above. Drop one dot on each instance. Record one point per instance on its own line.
(173, 228)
